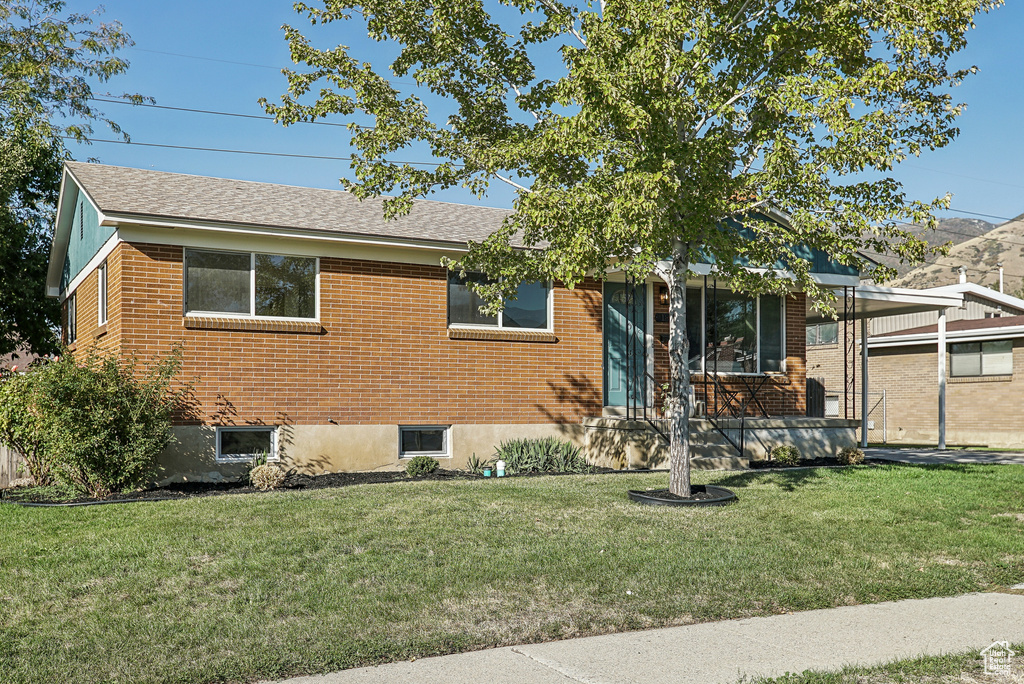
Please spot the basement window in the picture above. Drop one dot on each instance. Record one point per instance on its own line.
(244, 444)
(424, 440)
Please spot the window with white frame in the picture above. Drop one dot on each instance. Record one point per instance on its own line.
(530, 310)
(101, 318)
(822, 333)
(251, 284)
(71, 318)
(973, 359)
(735, 333)
(424, 440)
(243, 444)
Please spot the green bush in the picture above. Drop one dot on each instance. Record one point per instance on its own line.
(94, 425)
(850, 456)
(420, 465)
(546, 455)
(785, 454)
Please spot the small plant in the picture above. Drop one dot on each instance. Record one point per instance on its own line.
(265, 477)
(420, 466)
(850, 456)
(786, 454)
(476, 465)
(546, 455)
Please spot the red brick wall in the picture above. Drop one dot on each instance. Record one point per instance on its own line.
(383, 356)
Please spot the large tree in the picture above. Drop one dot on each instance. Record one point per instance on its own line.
(47, 60)
(663, 121)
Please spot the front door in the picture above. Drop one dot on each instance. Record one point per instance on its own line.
(623, 319)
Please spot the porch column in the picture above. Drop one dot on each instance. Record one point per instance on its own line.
(864, 382)
(942, 378)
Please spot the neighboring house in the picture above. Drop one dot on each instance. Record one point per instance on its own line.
(330, 339)
(984, 370)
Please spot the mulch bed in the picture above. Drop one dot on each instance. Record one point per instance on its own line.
(188, 490)
(815, 463)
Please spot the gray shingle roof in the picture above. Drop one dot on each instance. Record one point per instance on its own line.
(157, 194)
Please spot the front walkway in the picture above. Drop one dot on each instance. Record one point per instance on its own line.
(726, 651)
(947, 456)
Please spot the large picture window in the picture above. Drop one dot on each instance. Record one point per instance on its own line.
(250, 284)
(738, 333)
(972, 359)
(531, 309)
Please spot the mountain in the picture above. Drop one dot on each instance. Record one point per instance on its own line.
(979, 250)
(955, 230)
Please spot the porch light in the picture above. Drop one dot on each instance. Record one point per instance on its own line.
(663, 294)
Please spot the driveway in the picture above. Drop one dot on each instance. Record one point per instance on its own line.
(947, 456)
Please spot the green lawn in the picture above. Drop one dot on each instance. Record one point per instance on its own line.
(262, 586)
(957, 668)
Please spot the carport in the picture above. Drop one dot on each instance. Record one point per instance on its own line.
(865, 302)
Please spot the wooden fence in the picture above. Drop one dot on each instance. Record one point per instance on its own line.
(9, 462)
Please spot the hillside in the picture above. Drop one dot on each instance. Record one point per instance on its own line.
(955, 230)
(979, 255)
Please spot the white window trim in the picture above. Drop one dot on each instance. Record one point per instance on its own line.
(757, 318)
(981, 359)
(102, 294)
(252, 289)
(501, 314)
(72, 320)
(447, 453)
(245, 458)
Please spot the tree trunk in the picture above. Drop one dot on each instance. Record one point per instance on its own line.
(679, 355)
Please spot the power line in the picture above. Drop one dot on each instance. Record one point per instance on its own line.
(254, 152)
(960, 175)
(210, 111)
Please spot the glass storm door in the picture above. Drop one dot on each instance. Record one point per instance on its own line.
(620, 323)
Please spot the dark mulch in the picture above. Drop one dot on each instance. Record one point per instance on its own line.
(815, 463)
(697, 491)
(187, 490)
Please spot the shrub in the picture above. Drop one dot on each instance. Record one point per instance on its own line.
(785, 454)
(850, 456)
(420, 465)
(546, 455)
(94, 425)
(265, 477)
(21, 482)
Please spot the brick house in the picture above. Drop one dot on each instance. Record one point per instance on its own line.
(983, 370)
(329, 339)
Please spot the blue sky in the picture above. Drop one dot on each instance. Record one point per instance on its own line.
(225, 54)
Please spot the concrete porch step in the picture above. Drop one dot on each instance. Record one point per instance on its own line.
(719, 462)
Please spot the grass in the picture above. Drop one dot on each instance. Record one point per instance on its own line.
(238, 588)
(957, 668)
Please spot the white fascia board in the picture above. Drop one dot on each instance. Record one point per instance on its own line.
(903, 295)
(93, 264)
(982, 292)
(955, 336)
(298, 234)
(828, 280)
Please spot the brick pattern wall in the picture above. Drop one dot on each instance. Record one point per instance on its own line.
(979, 410)
(382, 357)
(781, 395)
(91, 335)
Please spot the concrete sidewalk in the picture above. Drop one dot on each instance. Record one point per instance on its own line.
(947, 456)
(726, 651)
